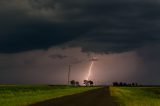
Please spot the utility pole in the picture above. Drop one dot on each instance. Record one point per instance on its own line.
(69, 74)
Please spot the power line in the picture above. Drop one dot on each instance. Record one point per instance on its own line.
(69, 71)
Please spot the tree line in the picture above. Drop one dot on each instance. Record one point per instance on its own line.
(86, 83)
(125, 84)
(91, 83)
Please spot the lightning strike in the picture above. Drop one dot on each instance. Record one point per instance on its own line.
(90, 70)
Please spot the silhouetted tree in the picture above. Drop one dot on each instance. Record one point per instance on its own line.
(124, 84)
(133, 84)
(86, 82)
(73, 82)
(77, 83)
(115, 83)
(120, 84)
(91, 83)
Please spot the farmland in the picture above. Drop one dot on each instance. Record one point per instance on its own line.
(18, 95)
(136, 96)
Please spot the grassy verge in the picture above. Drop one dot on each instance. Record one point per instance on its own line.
(24, 95)
(137, 96)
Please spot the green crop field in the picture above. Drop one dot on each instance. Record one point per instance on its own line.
(14, 95)
(136, 96)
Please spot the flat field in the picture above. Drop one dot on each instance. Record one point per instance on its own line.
(136, 96)
(18, 95)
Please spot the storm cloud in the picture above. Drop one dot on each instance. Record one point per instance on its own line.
(100, 26)
(55, 56)
(40, 38)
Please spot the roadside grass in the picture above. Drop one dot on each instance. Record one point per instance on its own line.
(16, 95)
(136, 96)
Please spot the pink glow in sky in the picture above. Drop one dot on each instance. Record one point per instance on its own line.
(49, 67)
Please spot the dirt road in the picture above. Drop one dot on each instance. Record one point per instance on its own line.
(99, 97)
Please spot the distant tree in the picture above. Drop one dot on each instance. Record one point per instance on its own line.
(120, 84)
(91, 83)
(73, 82)
(133, 84)
(77, 83)
(124, 84)
(115, 84)
(86, 82)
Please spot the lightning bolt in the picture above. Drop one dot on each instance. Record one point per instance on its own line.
(90, 70)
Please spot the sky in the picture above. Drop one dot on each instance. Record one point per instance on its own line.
(40, 38)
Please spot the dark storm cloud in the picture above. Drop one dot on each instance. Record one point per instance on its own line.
(95, 25)
(74, 60)
(55, 56)
(150, 57)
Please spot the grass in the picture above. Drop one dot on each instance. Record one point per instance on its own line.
(136, 96)
(14, 95)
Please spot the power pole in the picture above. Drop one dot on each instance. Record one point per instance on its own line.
(69, 74)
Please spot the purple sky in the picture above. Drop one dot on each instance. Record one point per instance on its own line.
(51, 66)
